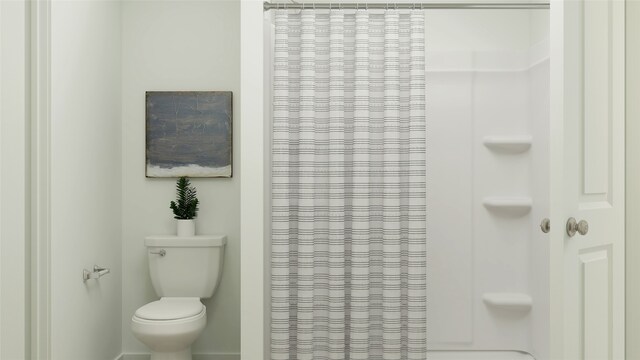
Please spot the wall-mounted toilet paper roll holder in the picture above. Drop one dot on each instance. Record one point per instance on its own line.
(97, 273)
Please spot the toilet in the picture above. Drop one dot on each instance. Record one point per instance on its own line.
(183, 270)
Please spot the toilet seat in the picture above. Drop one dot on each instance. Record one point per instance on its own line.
(171, 308)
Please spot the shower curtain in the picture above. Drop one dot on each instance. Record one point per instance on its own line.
(348, 186)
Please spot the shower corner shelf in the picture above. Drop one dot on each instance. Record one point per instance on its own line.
(508, 205)
(508, 144)
(509, 301)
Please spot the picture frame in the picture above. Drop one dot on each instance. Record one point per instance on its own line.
(189, 133)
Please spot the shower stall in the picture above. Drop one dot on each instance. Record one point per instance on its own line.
(524, 134)
(487, 189)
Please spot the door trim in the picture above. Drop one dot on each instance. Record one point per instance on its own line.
(253, 302)
(632, 226)
(41, 180)
(14, 179)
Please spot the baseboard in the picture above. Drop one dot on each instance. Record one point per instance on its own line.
(135, 356)
(216, 356)
(195, 357)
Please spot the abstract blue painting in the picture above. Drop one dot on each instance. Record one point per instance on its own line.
(189, 133)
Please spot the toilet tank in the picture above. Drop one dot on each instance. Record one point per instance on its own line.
(185, 266)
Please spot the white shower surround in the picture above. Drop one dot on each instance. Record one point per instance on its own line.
(483, 218)
(486, 86)
(487, 190)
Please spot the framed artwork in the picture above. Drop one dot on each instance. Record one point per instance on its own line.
(189, 133)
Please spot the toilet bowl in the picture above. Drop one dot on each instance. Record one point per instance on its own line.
(169, 326)
(183, 270)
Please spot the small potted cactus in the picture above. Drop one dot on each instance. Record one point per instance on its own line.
(185, 208)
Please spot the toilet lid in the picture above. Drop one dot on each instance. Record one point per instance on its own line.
(170, 309)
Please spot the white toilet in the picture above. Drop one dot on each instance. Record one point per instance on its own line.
(183, 270)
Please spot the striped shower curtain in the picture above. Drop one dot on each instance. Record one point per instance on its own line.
(348, 186)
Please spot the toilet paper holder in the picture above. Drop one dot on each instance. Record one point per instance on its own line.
(97, 273)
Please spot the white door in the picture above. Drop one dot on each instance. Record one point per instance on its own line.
(587, 179)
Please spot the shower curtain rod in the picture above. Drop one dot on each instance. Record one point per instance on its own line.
(405, 6)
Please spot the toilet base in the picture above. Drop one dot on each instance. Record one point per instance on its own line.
(178, 355)
(169, 339)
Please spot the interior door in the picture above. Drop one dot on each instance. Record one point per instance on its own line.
(587, 179)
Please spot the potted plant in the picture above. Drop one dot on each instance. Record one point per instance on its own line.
(185, 208)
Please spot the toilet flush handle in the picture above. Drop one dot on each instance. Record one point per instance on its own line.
(161, 252)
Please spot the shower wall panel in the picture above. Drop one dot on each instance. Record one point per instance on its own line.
(450, 201)
(487, 142)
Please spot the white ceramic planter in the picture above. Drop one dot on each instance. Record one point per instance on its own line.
(186, 227)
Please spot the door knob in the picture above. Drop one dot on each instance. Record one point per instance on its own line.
(573, 226)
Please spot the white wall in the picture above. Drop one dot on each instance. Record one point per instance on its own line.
(181, 45)
(480, 30)
(85, 179)
(14, 180)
